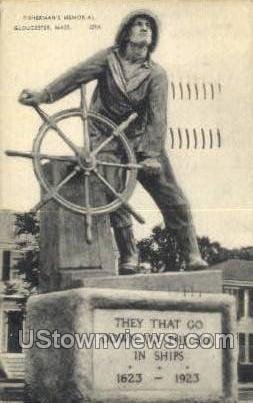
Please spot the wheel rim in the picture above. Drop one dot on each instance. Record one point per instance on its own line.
(131, 174)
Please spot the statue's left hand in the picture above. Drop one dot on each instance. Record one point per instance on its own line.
(151, 166)
(31, 97)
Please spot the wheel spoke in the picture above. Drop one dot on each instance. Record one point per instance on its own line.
(84, 112)
(87, 205)
(67, 158)
(12, 153)
(87, 190)
(54, 126)
(54, 190)
(127, 206)
(89, 237)
(102, 145)
(119, 165)
(120, 129)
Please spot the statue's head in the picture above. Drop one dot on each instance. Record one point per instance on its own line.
(138, 27)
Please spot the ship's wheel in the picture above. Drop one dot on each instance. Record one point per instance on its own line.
(85, 161)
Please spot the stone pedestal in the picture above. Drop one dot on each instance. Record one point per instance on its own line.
(189, 283)
(68, 363)
(65, 255)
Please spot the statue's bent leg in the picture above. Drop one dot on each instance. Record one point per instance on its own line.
(175, 209)
(121, 222)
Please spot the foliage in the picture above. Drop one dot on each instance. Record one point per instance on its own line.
(27, 232)
(160, 249)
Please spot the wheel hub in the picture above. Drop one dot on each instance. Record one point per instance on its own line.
(87, 162)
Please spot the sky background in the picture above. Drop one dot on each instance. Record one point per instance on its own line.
(200, 42)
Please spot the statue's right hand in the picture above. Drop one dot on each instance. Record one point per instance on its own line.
(30, 97)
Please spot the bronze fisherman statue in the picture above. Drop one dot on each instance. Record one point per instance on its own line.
(128, 82)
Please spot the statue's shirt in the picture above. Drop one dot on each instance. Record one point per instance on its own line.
(116, 97)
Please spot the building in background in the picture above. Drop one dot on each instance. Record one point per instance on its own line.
(11, 314)
(238, 281)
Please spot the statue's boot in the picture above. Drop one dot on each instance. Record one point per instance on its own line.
(196, 263)
(128, 263)
(188, 243)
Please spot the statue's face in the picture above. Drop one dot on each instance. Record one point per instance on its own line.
(141, 31)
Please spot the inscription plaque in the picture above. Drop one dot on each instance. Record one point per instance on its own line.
(154, 350)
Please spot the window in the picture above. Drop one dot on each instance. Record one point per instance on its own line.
(251, 302)
(240, 306)
(238, 293)
(15, 323)
(6, 265)
(246, 348)
(15, 257)
(251, 348)
(242, 351)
